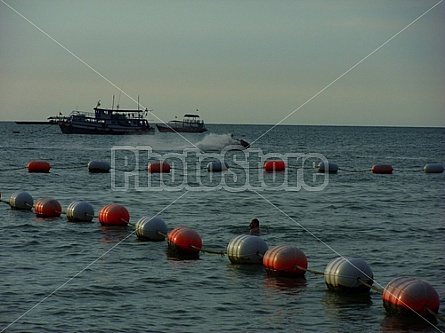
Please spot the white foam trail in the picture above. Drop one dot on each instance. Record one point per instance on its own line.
(216, 142)
(172, 142)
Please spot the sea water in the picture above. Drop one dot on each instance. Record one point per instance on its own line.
(57, 276)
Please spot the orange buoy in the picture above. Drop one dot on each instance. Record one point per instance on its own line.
(47, 207)
(184, 243)
(159, 167)
(284, 260)
(274, 165)
(406, 296)
(382, 168)
(39, 166)
(114, 214)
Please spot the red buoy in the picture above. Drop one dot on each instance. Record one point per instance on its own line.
(382, 168)
(274, 165)
(39, 166)
(114, 214)
(47, 207)
(184, 243)
(159, 167)
(284, 260)
(407, 296)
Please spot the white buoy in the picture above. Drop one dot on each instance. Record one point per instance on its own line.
(21, 200)
(433, 168)
(329, 168)
(217, 166)
(151, 228)
(99, 166)
(80, 211)
(344, 274)
(246, 249)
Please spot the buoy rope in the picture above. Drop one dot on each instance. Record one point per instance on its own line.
(191, 169)
(438, 316)
(68, 167)
(245, 168)
(353, 170)
(221, 252)
(259, 254)
(13, 169)
(309, 270)
(375, 288)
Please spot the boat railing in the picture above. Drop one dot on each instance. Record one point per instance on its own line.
(81, 113)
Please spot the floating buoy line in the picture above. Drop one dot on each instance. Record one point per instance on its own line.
(269, 166)
(402, 296)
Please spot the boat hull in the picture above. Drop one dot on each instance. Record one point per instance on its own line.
(167, 129)
(68, 128)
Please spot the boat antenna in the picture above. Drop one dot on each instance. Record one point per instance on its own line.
(112, 105)
(138, 102)
(119, 97)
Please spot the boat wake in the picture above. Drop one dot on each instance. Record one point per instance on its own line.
(217, 142)
(209, 143)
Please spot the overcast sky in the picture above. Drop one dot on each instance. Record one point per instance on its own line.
(248, 62)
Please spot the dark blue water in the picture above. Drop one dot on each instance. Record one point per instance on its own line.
(57, 276)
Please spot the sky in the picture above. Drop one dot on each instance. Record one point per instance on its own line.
(308, 62)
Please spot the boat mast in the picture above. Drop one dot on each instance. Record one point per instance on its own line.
(112, 105)
(138, 102)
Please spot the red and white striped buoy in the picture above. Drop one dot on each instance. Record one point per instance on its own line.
(159, 167)
(114, 214)
(382, 168)
(274, 165)
(39, 166)
(184, 243)
(344, 275)
(246, 249)
(21, 200)
(151, 228)
(80, 211)
(285, 260)
(409, 297)
(47, 207)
